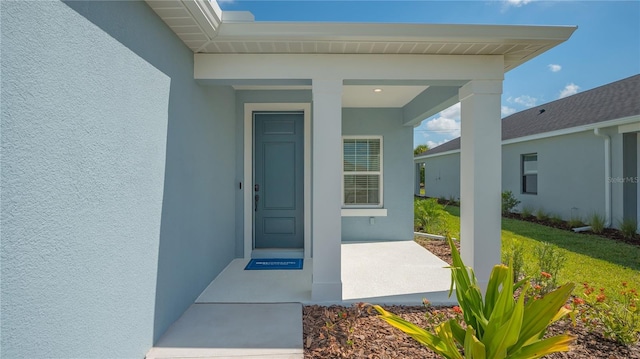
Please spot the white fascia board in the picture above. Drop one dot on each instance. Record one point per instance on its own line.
(444, 33)
(630, 127)
(347, 66)
(207, 14)
(422, 158)
(631, 121)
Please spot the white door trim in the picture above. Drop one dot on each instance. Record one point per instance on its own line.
(249, 109)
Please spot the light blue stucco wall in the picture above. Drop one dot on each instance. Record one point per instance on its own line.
(114, 215)
(398, 174)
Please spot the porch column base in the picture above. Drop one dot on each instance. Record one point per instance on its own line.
(326, 292)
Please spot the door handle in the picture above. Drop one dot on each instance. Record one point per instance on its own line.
(257, 197)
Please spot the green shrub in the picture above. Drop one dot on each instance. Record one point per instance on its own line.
(596, 222)
(555, 218)
(497, 326)
(526, 211)
(549, 261)
(575, 222)
(428, 215)
(513, 256)
(628, 227)
(509, 202)
(541, 215)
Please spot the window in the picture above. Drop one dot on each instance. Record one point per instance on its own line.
(362, 171)
(530, 173)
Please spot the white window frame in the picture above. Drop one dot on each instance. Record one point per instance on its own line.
(527, 173)
(379, 173)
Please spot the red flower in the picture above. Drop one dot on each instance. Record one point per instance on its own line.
(624, 284)
(578, 301)
(457, 310)
(537, 287)
(600, 298)
(545, 274)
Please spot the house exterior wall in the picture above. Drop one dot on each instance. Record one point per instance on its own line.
(442, 176)
(571, 175)
(397, 174)
(113, 160)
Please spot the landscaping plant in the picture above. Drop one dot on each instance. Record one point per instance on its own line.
(427, 215)
(509, 202)
(620, 320)
(596, 222)
(497, 326)
(550, 261)
(628, 227)
(541, 215)
(526, 212)
(514, 255)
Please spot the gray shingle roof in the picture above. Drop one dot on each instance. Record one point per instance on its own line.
(609, 102)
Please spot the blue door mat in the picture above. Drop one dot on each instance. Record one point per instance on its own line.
(274, 263)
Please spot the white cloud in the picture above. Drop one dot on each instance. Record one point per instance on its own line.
(524, 100)
(506, 111)
(554, 67)
(570, 89)
(447, 121)
(517, 3)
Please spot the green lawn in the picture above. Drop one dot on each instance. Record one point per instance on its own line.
(601, 262)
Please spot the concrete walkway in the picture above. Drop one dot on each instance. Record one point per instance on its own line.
(234, 331)
(258, 314)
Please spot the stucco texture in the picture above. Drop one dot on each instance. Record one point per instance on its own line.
(397, 172)
(111, 222)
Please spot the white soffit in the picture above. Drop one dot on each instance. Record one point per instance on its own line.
(198, 24)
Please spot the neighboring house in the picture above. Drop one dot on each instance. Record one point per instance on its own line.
(572, 157)
(145, 143)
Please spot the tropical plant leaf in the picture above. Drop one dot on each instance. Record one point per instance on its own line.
(433, 342)
(560, 343)
(539, 313)
(473, 348)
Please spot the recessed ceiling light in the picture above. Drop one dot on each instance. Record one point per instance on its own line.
(378, 90)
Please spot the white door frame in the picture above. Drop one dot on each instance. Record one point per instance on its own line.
(249, 109)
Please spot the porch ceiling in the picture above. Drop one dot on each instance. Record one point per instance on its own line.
(199, 24)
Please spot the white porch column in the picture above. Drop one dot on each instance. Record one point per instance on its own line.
(326, 201)
(480, 176)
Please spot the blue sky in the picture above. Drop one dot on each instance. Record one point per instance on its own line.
(605, 48)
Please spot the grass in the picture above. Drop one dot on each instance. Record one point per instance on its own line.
(601, 262)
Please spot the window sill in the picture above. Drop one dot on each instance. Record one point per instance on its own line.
(364, 212)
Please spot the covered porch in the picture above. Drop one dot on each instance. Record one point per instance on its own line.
(388, 272)
(399, 73)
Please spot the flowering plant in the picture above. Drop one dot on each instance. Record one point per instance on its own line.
(620, 319)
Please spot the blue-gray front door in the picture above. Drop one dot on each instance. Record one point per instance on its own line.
(278, 185)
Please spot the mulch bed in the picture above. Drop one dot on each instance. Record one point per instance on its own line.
(357, 332)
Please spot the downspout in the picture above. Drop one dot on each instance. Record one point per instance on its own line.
(607, 175)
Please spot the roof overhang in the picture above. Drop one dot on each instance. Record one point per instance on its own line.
(203, 28)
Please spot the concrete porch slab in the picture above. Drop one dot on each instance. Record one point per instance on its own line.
(234, 331)
(236, 285)
(394, 272)
(391, 272)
